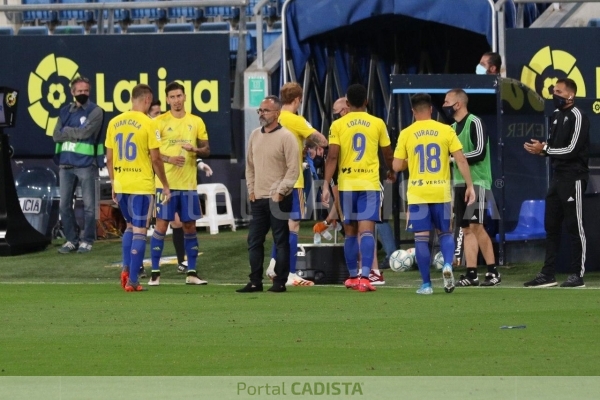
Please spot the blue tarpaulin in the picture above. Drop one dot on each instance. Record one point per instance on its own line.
(307, 19)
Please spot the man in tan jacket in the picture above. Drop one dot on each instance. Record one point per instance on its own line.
(272, 168)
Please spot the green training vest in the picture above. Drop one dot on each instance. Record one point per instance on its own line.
(481, 172)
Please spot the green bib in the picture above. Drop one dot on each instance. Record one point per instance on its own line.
(481, 172)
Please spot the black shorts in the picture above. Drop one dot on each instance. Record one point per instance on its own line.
(473, 214)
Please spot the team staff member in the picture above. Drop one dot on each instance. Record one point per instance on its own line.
(476, 148)
(79, 155)
(291, 98)
(568, 146)
(183, 138)
(133, 157)
(424, 148)
(353, 143)
(490, 64)
(272, 169)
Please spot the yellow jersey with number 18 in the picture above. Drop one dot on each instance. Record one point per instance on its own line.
(301, 129)
(359, 136)
(131, 135)
(174, 133)
(427, 146)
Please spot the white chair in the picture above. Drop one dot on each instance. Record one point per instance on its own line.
(211, 218)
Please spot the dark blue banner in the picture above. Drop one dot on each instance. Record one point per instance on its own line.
(42, 67)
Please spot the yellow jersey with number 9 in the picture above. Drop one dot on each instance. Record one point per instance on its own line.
(131, 135)
(427, 146)
(359, 136)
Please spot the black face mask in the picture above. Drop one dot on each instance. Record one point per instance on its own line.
(337, 116)
(82, 98)
(559, 102)
(318, 161)
(449, 111)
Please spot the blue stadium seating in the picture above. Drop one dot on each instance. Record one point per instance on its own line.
(186, 13)
(594, 22)
(142, 28)
(77, 15)
(214, 27)
(178, 27)
(120, 15)
(152, 14)
(33, 30)
(94, 29)
(215, 12)
(6, 31)
(43, 17)
(69, 30)
(531, 222)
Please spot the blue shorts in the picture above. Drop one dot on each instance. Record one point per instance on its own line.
(186, 203)
(361, 206)
(425, 217)
(298, 204)
(135, 208)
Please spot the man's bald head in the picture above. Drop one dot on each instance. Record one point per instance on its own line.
(340, 107)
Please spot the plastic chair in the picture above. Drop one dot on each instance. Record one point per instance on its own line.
(94, 29)
(142, 28)
(33, 30)
(178, 27)
(69, 30)
(77, 15)
(211, 218)
(531, 222)
(42, 17)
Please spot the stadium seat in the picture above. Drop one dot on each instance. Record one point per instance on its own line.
(94, 29)
(76, 15)
(594, 23)
(531, 222)
(33, 30)
(214, 27)
(42, 17)
(181, 27)
(211, 218)
(185, 13)
(151, 14)
(120, 15)
(6, 31)
(142, 28)
(69, 30)
(219, 12)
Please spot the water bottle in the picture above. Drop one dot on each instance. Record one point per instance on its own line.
(317, 238)
(326, 234)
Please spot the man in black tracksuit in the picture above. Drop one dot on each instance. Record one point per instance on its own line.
(568, 147)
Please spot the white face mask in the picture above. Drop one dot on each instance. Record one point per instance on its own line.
(480, 70)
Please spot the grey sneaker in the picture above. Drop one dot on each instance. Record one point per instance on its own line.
(67, 248)
(573, 281)
(84, 247)
(541, 280)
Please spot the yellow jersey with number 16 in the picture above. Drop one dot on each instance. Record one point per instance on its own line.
(131, 135)
(359, 136)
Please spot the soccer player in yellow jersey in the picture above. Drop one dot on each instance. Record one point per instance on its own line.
(183, 138)
(133, 157)
(291, 97)
(353, 148)
(424, 148)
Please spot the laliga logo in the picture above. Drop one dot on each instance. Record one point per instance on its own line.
(546, 67)
(46, 90)
(11, 99)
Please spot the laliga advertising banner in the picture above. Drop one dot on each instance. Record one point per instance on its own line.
(41, 67)
(538, 57)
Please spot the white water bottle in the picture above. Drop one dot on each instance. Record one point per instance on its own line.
(317, 238)
(326, 234)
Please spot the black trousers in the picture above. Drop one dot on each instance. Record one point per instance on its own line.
(267, 214)
(564, 204)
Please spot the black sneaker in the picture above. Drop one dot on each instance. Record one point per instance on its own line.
(142, 273)
(542, 280)
(573, 280)
(385, 264)
(491, 279)
(250, 287)
(277, 288)
(464, 281)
